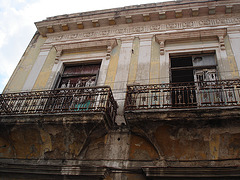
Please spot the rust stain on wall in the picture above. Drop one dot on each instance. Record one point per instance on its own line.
(26, 142)
(140, 149)
(181, 143)
(95, 149)
(214, 144)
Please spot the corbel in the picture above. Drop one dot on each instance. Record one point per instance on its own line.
(211, 10)
(178, 13)
(80, 25)
(162, 15)
(50, 29)
(110, 45)
(195, 12)
(111, 21)
(146, 17)
(65, 27)
(228, 9)
(129, 19)
(58, 54)
(221, 42)
(161, 42)
(109, 49)
(162, 46)
(95, 23)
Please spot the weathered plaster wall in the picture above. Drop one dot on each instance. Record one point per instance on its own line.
(46, 142)
(45, 72)
(25, 65)
(193, 141)
(141, 149)
(215, 140)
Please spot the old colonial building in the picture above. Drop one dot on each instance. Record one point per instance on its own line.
(141, 92)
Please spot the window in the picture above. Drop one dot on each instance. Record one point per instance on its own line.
(81, 75)
(192, 76)
(192, 68)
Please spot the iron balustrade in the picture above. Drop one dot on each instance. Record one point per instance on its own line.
(183, 95)
(69, 100)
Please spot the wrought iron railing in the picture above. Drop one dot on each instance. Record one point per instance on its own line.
(73, 100)
(183, 95)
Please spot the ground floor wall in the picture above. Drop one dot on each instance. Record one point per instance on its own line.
(143, 150)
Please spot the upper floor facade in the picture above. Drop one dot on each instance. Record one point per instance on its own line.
(151, 90)
(170, 55)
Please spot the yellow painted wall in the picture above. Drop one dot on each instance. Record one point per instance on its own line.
(214, 145)
(25, 65)
(155, 64)
(134, 62)
(112, 68)
(231, 59)
(45, 73)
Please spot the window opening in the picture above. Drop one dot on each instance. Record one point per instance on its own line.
(82, 75)
(75, 76)
(190, 74)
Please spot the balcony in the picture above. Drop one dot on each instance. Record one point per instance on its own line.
(189, 101)
(73, 104)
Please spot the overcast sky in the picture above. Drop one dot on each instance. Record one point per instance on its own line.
(17, 27)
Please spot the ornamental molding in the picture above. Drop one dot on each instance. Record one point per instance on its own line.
(108, 44)
(158, 26)
(220, 33)
(89, 44)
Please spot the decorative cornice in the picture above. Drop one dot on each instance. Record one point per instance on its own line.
(136, 14)
(156, 28)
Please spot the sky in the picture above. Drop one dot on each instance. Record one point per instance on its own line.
(17, 27)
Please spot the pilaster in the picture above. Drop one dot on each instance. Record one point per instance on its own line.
(121, 78)
(144, 59)
(32, 77)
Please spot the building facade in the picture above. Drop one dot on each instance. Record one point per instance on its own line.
(141, 92)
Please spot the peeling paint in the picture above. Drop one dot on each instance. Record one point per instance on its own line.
(112, 68)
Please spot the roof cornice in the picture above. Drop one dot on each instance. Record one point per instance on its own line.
(136, 14)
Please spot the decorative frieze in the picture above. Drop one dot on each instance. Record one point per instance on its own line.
(145, 29)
